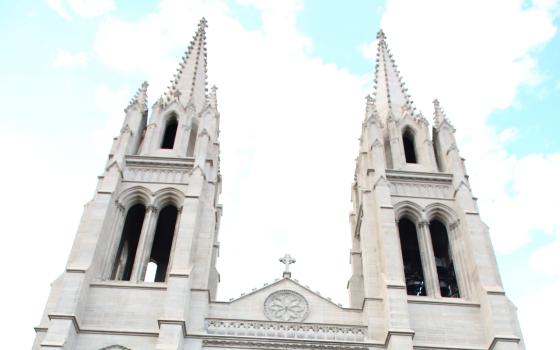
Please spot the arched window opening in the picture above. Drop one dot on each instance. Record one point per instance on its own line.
(192, 140)
(409, 147)
(444, 261)
(388, 155)
(169, 135)
(124, 261)
(413, 274)
(163, 240)
(151, 272)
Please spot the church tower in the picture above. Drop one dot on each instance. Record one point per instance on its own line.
(141, 274)
(419, 245)
(145, 252)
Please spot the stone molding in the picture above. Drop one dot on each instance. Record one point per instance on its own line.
(273, 345)
(129, 285)
(442, 178)
(180, 323)
(503, 339)
(411, 299)
(290, 330)
(72, 318)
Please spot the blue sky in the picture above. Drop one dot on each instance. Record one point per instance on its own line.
(69, 67)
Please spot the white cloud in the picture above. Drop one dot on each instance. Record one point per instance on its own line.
(91, 8)
(538, 314)
(84, 8)
(546, 259)
(58, 7)
(69, 59)
(290, 123)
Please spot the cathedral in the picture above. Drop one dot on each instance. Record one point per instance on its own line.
(141, 273)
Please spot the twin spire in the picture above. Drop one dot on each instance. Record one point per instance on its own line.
(188, 85)
(390, 97)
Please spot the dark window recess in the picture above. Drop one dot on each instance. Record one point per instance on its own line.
(444, 261)
(163, 240)
(124, 261)
(409, 147)
(413, 274)
(169, 134)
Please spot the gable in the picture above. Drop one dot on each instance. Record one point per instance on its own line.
(284, 301)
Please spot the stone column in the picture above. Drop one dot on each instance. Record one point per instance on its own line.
(458, 255)
(145, 242)
(431, 279)
(116, 233)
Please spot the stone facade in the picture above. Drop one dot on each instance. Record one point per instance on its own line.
(141, 274)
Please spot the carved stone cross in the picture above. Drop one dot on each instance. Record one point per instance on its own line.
(287, 260)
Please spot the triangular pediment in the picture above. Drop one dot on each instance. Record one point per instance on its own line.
(286, 284)
(285, 301)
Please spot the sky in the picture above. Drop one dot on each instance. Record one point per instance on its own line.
(291, 76)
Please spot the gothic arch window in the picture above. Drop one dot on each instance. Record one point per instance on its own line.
(163, 241)
(412, 263)
(193, 134)
(444, 261)
(170, 132)
(124, 261)
(409, 146)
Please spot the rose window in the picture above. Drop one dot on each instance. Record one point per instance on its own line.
(286, 306)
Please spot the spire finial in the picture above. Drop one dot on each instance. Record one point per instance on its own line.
(203, 23)
(287, 260)
(390, 93)
(213, 98)
(189, 83)
(140, 98)
(439, 115)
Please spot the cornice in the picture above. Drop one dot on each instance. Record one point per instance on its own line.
(416, 176)
(282, 345)
(161, 162)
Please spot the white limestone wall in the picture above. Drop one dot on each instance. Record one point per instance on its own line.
(100, 341)
(452, 324)
(123, 307)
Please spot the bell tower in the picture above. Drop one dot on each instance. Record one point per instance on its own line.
(419, 246)
(142, 269)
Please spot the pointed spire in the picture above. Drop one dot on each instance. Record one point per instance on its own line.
(189, 84)
(213, 98)
(370, 106)
(390, 94)
(439, 116)
(140, 99)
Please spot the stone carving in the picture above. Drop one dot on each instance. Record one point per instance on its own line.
(426, 190)
(287, 330)
(286, 306)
